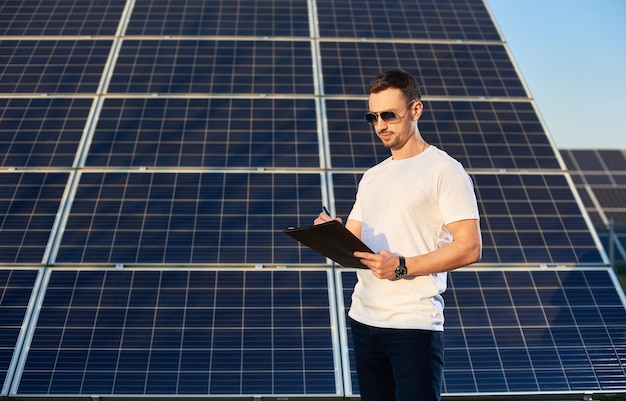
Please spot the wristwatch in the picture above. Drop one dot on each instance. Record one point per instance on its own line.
(401, 269)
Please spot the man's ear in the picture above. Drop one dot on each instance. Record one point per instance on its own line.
(417, 110)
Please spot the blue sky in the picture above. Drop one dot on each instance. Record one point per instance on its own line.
(572, 56)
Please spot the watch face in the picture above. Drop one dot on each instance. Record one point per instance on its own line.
(401, 271)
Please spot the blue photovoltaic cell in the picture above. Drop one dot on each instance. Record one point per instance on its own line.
(29, 203)
(216, 67)
(52, 66)
(190, 218)
(591, 161)
(41, 132)
(183, 332)
(352, 141)
(170, 133)
(442, 69)
(230, 133)
(219, 18)
(60, 17)
(532, 219)
(524, 218)
(613, 201)
(401, 19)
(16, 287)
(528, 331)
(600, 177)
(480, 135)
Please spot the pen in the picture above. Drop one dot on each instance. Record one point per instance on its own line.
(326, 210)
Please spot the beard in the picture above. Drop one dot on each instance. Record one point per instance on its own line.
(392, 142)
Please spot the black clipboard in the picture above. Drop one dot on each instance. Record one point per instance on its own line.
(333, 240)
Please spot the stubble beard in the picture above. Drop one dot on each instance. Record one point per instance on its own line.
(393, 142)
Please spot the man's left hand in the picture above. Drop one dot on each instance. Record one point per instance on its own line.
(383, 264)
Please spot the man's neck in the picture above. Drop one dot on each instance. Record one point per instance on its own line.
(413, 147)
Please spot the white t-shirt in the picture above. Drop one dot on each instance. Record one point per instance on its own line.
(404, 206)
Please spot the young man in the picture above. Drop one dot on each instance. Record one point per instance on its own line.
(417, 210)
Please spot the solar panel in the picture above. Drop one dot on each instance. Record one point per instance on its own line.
(473, 70)
(177, 137)
(215, 67)
(29, 203)
(222, 133)
(479, 134)
(588, 161)
(183, 332)
(218, 218)
(222, 218)
(529, 218)
(52, 66)
(59, 17)
(600, 177)
(16, 288)
(527, 331)
(41, 132)
(525, 218)
(433, 20)
(213, 18)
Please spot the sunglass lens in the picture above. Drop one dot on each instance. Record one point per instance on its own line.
(371, 118)
(388, 116)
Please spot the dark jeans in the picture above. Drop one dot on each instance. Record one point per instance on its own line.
(398, 364)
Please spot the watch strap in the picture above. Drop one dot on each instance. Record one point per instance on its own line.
(401, 270)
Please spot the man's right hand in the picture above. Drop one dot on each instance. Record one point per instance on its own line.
(323, 217)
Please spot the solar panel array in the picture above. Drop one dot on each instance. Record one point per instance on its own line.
(16, 290)
(175, 140)
(528, 331)
(178, 332)
(600, 178)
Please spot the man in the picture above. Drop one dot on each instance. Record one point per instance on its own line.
(417, 210)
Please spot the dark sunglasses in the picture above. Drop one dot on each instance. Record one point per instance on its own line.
(388, 116)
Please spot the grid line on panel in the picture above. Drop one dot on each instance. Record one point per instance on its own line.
(481, 135)
(213, 66)
(207, 133)
(206, 91)
(52, 66)
(600, 177)
(528, 331)
(586, 162)
(206, 218)
(450, 70)
(16, 288)
(29, 203)
(179, 332)
(525, 218)
(60, 18)
(36, 132)
(441, 20)
(212, 18)
(491, 135)
(533, 219)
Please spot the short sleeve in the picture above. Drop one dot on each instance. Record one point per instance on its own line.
(357, 213)
(457, 199)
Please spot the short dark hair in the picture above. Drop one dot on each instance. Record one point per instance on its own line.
(396, 79)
